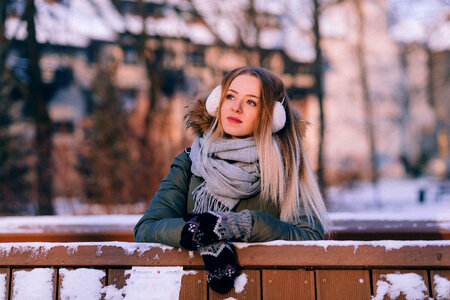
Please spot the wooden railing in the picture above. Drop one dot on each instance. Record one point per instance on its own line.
(275, 270)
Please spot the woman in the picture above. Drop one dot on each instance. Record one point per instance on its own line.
(245, 178)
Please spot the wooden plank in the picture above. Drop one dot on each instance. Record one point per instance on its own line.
(3, 272)
(299, 254)
(70, 236)
(194, 286)
(343, 284)
(59, 283)
(252, 289)
(441, 273)
(288, 284)
(348, 253)
(61, 279)
(117, 277)
(96, 254)
(378, 275)
(371, 230)
(35, 283)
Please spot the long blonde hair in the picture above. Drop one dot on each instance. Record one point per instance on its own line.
(287, 179)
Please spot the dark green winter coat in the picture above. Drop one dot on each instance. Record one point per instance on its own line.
(163, 220)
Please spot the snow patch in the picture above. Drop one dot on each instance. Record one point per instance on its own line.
(435, 216)
(36, 249)
(411, 285)
(35, 284)
(112, 293)
(2, 286)
(27, 224)
(390, 199)
(271, 7)
(190, 272)
(80, 284)
(240, 282)
(149, 283)
(141, 248)
(442, 287)
(409, 31)
(438, 40)
(71, 249)
(199, 34)
(141, 283)
(387, 244)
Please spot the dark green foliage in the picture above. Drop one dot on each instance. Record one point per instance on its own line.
(15, 186)
(111, 162)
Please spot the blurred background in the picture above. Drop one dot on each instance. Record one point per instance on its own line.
(93, 94)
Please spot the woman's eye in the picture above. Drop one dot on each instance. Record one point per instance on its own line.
(251, 102)
(230, 97)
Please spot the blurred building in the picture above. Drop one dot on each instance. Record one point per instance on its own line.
(182, 48)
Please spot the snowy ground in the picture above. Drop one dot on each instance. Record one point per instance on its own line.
(391, 199)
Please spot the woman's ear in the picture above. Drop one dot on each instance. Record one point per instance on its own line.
(213, 100)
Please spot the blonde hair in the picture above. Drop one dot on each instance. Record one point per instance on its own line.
(287, 179)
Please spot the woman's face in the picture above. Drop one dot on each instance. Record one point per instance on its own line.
(241, 106)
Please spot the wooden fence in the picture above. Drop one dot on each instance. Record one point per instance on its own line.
(276, 270)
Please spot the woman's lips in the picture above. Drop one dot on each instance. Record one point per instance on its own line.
(234, 120)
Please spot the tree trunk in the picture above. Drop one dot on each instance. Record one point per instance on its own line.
(318, 88)
(405, 156)
(36, 101)
(430, 87)
(2, 37)
(368, 112)
(153, 69)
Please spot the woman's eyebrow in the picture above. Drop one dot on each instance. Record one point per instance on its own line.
(250, 95)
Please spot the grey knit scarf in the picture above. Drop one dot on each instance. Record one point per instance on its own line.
(230, 170)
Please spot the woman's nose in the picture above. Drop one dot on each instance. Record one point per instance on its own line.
(237, 105)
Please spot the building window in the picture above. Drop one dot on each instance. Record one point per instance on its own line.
(65, 126)
(197, 58)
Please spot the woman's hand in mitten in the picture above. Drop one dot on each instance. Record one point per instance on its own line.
(188, 217)
(221, 266)
(211, 227)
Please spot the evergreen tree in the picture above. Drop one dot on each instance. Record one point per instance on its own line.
(110, 162)
(15, 187)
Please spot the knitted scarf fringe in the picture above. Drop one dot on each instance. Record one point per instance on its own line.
(205, 201)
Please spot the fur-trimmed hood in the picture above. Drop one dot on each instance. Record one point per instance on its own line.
(199, 120)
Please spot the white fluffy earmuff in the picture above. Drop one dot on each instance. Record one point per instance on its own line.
(279, 113)
(213, 101)
(279, 116)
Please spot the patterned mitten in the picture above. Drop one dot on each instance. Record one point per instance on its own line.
(211, 227)
(221, 266)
